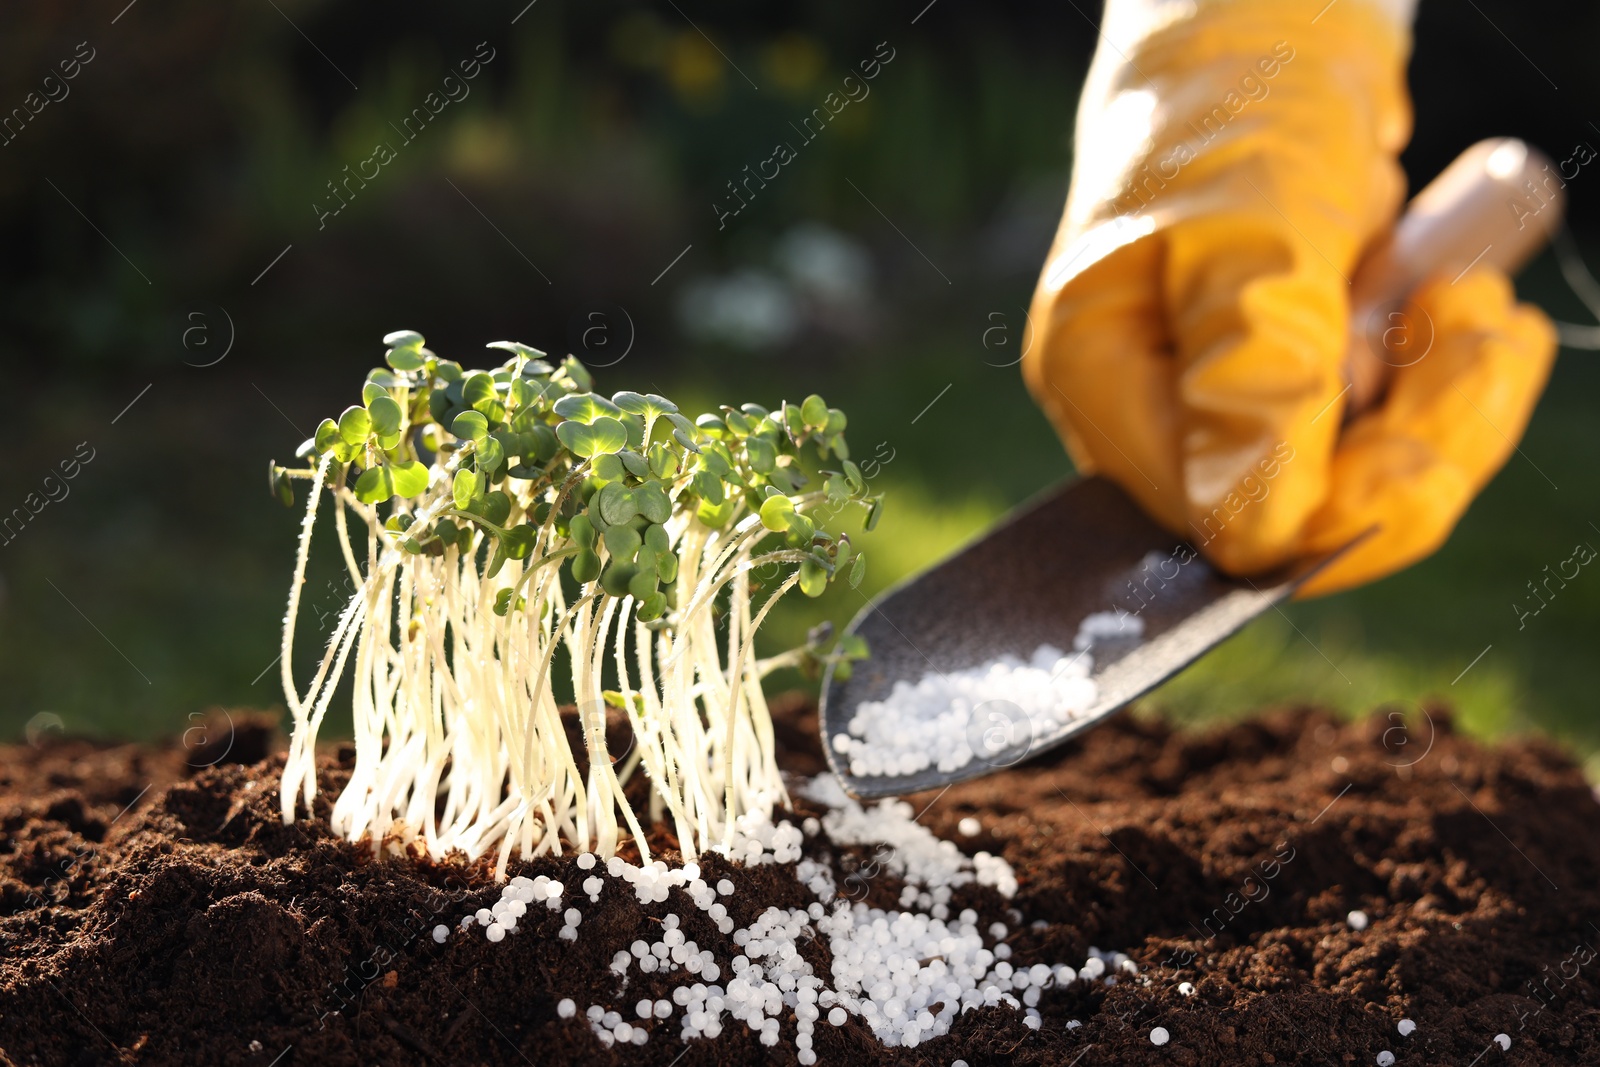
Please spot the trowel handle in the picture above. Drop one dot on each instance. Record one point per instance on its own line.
(1499, 203)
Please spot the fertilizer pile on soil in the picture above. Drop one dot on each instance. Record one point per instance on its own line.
(153, 912)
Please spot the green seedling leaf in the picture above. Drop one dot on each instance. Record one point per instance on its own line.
(683, 431)
(448, 370)
(649, 405)
(657, 540)
(496, 506)
(711, 425)
(852, 474)
(355, 425)
(581, 530)
(643, 584)
(578, 373)
(608, 468)
(874, 513)
(403, 339)
(663, 462)
(510, 443)
(777, 512)
(858, 571)
(708, 487)
(409, 478)
(373, 486)
(490, 457)
(636, 464)
(763, 456)
(715, 516)
(653, 607)
(652, 501)
(794, 422)
(784, 479)
(813, 578)
(801, 530)
(477, 389)
(667, 568)
(517, 348)
(385, 413)
(716, 459)
(814, 410)
(470, 426)
(585, 566)
(464, 488)
(524, 393)
(635, 427)
(616, 503)
(279, 482)
(632, 403)
(545, 443)
(586, 407)
(405, 359)
(836, 422)
(440, 406)
(519, 540)
(327, 435)
(604, 435)
(623, 542)
(614, 580)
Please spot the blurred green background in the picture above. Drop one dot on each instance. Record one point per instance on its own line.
(181, 303)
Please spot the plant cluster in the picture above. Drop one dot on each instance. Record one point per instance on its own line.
(515, 527)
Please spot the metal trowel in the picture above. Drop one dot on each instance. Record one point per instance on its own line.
(1091, 550)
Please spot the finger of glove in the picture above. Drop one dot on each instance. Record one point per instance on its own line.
(1258, 296)
(1409, 469)
(1099, 367)
(1259, 320)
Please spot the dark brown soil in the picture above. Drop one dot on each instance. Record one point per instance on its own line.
(156, 913)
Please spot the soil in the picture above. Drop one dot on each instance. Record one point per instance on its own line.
(155, 910)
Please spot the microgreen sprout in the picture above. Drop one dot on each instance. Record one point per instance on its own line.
(514, 524)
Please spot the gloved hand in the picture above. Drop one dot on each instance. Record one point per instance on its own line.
(1234, 160)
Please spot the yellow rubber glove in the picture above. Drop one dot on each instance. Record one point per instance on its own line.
(1234, 160)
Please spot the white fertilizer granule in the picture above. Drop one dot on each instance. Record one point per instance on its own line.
(904, 973)
(989, 712)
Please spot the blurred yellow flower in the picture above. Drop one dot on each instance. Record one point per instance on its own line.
(481, 146)
(694, 69)
(793, 62)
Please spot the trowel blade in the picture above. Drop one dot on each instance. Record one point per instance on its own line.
(1080, 548)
